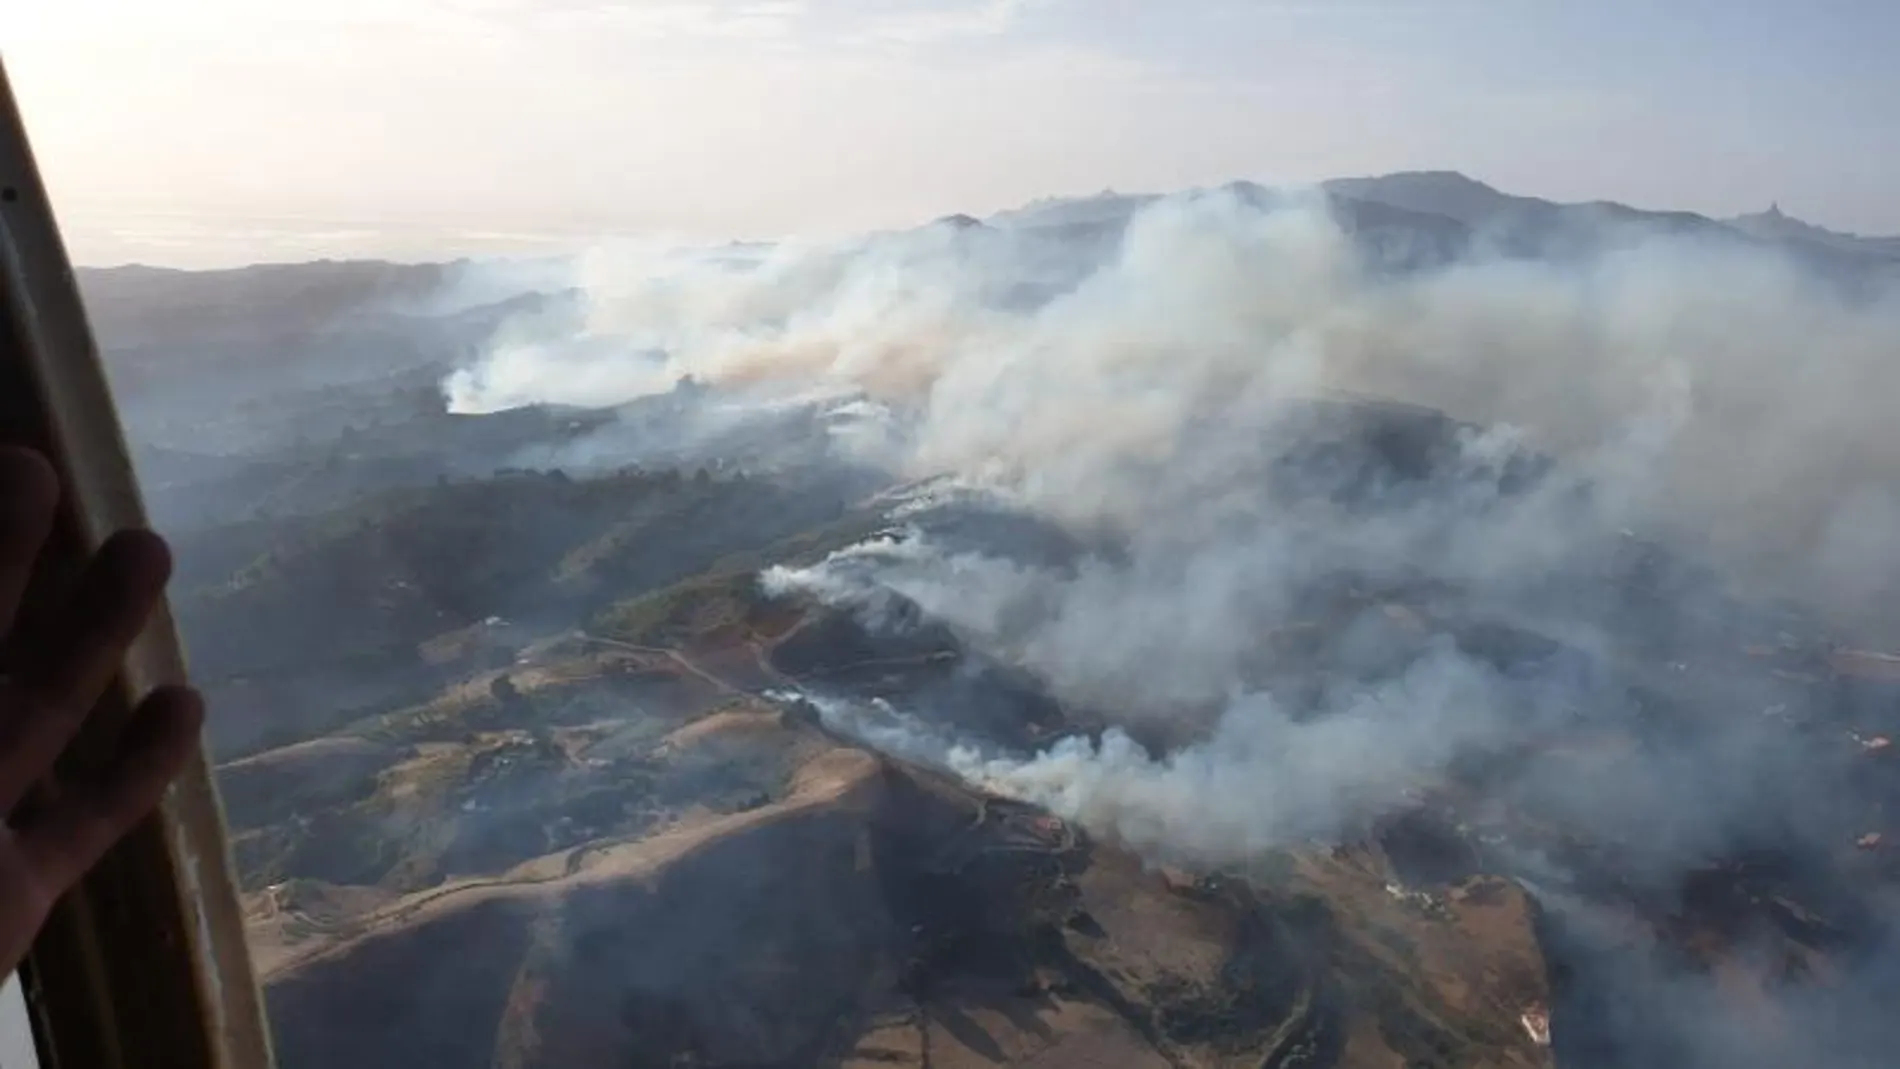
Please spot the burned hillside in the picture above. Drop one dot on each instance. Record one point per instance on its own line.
(754, 773)
(1395, 624)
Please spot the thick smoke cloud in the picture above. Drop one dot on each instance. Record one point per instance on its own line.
(1714, 390)
(1710, 393)
(1136, 392)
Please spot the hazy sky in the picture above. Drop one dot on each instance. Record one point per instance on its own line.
(403, 121)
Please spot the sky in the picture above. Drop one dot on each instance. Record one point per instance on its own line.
(187, 130)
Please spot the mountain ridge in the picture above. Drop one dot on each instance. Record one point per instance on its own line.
(1445, 194)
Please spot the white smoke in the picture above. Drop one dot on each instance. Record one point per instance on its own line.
(1172, 638)
(1717, 390)
(1702, 390)
(1713, 394)
(1262, 779)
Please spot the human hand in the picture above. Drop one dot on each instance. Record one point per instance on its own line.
(59, 671)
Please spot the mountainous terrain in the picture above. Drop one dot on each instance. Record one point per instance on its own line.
(1773, 225)
(1459, 212)
(995, 644)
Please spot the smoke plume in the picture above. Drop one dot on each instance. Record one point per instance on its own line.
(1157, 393)
(1715, 390)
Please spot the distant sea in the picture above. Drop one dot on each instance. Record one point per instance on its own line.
(194, 242)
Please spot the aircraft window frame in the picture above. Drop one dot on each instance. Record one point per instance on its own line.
(145, 962)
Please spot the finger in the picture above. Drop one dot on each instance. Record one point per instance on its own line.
(71, 659)
(67, 666)
(29, 493)
(76, 830)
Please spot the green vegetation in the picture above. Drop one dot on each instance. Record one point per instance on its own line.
(277, 609)
(727, 595)
(1261, 985)
(402, 566)
(1413, 1019)
(685, 612)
